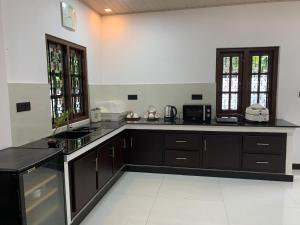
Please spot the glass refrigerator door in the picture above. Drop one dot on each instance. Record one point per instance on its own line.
(44, 194)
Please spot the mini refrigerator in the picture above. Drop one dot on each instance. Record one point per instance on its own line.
(32, 187)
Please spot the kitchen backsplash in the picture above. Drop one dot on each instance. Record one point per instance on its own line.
(158, 95)
(35, 124)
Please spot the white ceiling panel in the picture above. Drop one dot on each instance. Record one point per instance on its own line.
(139, 6)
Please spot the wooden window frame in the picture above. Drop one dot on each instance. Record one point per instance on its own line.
(245, 79)
(67, 78)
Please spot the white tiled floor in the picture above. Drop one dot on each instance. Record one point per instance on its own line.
(158, 199)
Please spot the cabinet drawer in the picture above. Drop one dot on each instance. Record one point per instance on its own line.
(264, 144)
(181, 158)
(264, 163)
(183, 141)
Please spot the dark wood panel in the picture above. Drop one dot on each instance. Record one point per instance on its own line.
(210, 172)
(146, 147)
(179, 158)
(264, 163)
(10, 203)
(183, 141)
(119, 153)
(265, 144)
(222, 151)
(83, 180)
(105, 164)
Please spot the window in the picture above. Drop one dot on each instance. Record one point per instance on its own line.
(67, 75)
(246, 76)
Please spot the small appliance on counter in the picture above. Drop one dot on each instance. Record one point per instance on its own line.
(257, 113)
(95, 115)
(228, 119)
(197, 113)
(170, 112)
(152, 114)
(132, 116)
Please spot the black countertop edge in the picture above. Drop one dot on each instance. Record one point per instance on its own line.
(105, 128)
(18, 160)
(279, 123)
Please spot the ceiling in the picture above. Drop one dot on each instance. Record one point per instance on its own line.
(139, 6)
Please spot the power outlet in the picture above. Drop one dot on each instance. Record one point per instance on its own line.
(23, 106)
(132, 97)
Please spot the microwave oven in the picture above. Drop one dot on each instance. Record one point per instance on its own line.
(197, 113)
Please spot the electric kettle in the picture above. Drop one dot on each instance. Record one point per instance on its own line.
(170, 112)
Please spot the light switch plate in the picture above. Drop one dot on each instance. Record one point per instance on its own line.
(23, 106)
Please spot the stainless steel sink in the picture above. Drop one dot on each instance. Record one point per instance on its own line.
(72, 134)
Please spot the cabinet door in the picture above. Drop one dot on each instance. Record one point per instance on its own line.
(119, 156)
(83, 180)
(105, 164)
(146, 147)
(222, 151)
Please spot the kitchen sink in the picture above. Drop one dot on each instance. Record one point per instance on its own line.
(85, 129)
(71, 134)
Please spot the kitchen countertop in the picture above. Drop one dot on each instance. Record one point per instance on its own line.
(276, 123)
(20, 159)
(101, 129)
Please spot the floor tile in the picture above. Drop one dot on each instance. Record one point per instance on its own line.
(145, 184)
(191, 187)
(252, 214)
(119, 209)
(157, 199)
(262, 193)
(167, 211)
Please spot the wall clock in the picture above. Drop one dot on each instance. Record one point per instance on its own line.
(68, 16)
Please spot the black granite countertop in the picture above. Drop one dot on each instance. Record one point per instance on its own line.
(21, 159)
(99, 130)
(279, 123)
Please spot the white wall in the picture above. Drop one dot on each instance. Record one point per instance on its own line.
(180, 46)
(5, 130)
(25, 25)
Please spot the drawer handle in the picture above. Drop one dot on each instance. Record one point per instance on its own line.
(181, 158)
(262, 144)
(262, 162)
(181, 141)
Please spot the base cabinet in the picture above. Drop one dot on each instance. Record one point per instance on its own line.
(222, 151)
(105, 164)
(175, 152)
(145, 147)
(119, 153)
(83, 180)
(176, 158)
(90, 172)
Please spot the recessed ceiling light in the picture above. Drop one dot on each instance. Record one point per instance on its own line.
(108, 10)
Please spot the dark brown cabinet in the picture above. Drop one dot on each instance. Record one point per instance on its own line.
(105, 164)
(264, 144)
(83, 180)
(145, 147)
(264, 153)
(264, 163)
(177, 158)
(90, 172)
(119, 153)
(183, 141)
(222, 151)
